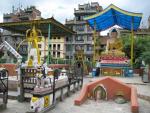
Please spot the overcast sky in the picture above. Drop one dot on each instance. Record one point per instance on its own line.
(62, 9)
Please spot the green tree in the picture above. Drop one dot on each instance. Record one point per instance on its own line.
(146, 57)
(141, 49)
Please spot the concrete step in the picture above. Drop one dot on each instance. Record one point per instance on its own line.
(14, 95)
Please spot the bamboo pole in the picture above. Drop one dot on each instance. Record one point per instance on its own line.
(49, 31)
(132, 42)
(94, 36)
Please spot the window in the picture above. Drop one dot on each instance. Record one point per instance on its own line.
(58, 54)
(89, 38)
(50, 53)
(39, 45)
(89, 29)
(54, 54)
(58, 38)
(67, 57)
(50, 46)
(54, 46)
(88, 58)
(79, 47)
(69, 39)
(78, 18)
(58, 47)
(69, 48)
(103, 46)
(6, 38)
(89, 47)
(70, 27)
(79, 38)
(80, 27)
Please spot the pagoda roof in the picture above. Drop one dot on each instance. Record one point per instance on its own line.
(56, 28)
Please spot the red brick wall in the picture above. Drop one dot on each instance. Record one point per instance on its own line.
(11, 68)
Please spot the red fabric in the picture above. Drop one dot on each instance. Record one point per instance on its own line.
(113, 62)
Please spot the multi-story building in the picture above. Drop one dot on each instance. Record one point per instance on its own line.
(17, 15)
(84, 34)
(57, 47)
(30, 13)
(141, 32)
(138, 33)
(57, 44)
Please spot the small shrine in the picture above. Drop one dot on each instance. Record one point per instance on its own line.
(113, 60)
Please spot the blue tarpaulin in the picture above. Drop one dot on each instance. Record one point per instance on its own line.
(113, 15)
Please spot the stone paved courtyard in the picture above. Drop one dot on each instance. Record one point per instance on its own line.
(90, 106)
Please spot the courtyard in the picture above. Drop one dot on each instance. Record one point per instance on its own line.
(91, 106)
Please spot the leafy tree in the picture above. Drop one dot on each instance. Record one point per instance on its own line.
(146, 57)
(141, 49)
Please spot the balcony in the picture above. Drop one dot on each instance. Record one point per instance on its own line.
(80, 22)
(79, 42)
(69, 53)
(81, 32)
(69, 42)
(88, 52)
(8, 15)
(89, 42)
(91, 11)
(70, 21)
(90, 31)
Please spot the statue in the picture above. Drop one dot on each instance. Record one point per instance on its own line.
(33, 36)
(42, 80)
(114, 45)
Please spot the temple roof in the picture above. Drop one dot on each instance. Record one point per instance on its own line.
(56, 28)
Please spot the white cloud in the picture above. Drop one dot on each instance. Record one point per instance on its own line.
(59, 11)
(62, 9)
(1, 17)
